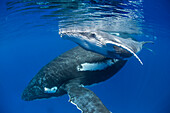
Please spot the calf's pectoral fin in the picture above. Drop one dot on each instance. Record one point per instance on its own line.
(126, 48)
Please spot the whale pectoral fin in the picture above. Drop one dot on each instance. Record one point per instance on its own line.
(85, 100)
(124, 47)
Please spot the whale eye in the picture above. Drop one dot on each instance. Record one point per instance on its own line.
(92, 35)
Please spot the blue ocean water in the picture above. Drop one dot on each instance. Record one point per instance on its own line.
(29, 40)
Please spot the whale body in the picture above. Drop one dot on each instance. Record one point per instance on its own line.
(69, 73)
(104, 43)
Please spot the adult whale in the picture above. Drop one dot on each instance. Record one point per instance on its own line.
(69, 73)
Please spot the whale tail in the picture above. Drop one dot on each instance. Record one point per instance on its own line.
(147, 42)
(143, 43)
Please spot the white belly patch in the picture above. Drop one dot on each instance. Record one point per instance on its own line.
(96, 66)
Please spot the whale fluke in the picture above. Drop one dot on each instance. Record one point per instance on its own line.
(147, 42)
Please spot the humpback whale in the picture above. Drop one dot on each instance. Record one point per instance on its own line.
(69, 73)
(104, 43)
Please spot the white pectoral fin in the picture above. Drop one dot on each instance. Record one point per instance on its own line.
(126, 48)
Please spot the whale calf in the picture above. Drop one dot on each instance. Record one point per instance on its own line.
(69, 73)
(104, 43)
